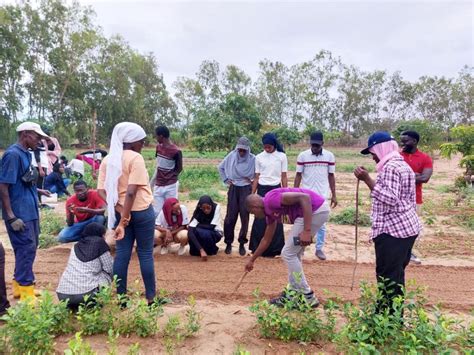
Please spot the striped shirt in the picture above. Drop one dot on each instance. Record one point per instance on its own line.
(168, 164)
(314, 171)
(393, 201)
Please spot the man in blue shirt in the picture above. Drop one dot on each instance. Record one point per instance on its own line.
(20, 205)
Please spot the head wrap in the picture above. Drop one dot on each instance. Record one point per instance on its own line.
(385, 151)
(124, 132)
(199, 215)
(92, 244)
(271, 138)
(239, 168)
(168, 212)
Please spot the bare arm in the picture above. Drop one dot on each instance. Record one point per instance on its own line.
(102, 194)
(424, 176)
(297, 180)
(179, 162)
(332, 186)
(255, 183)
(284, 179)
(6, 205)
(128, 203)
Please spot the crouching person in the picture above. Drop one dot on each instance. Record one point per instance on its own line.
(89, 267)
(83, 208)
(307, 211)
(171, 226)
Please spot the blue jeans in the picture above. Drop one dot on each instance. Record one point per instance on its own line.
(24, 246)
(73, 233)
(320, 236)
(54, 188)
(142, 229)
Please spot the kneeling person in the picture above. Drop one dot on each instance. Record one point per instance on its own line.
(83, 208)
(89, 267)
(307, 211)
(171, 226)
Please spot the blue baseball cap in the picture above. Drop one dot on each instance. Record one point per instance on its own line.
(376, 138)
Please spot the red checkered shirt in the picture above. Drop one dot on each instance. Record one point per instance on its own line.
(394, 201)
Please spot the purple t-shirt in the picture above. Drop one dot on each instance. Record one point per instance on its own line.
(274, 210)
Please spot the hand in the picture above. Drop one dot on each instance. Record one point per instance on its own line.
(168, 237)
(119, 232)
(17, 224)
(229, 182)
(82, 209)
(41, 172)
(305, 238)
(333, 201)
(361, 173)
(44, 192)
(249, 266)
(72, 208)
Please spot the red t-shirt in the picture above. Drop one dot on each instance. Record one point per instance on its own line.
(418, 161)
(93, 201)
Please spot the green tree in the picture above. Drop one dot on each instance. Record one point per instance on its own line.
(463, 142)
(431, 133)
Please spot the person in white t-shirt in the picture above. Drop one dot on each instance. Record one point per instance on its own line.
(171, 226)
(315, 169)
(271, 167)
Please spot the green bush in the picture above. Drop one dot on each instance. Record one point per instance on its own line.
(50, 226)
(32, 328)
(195, 177)
(406, 328)
(347, 216)
(213, 193)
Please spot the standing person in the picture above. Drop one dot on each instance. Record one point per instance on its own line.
(395, 224)
(123, 182)
(53, 151)
(237, 171)
(83, 208)
(20, 205)
(171, 226)
(422, 166)
(88, 269)
(205, 228)
(271, 167)
(315, 170)
(4, 304)
(169, 164)
(307, 211)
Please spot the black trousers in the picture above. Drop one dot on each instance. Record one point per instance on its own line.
(236, 196)
(392, 256)
(4, 304)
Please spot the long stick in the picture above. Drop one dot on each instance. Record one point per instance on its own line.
(356, 234)
(240, 281)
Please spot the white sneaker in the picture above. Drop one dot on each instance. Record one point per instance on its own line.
(181, 250)
(164, 250)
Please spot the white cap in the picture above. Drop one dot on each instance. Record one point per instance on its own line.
(31, 126)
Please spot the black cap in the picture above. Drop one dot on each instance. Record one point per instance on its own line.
(316, 138)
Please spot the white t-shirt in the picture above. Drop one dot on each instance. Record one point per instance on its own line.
(270, 166)
(43, 159)
(314, 171)
(77, 166)
(161, 220)
(217, 220)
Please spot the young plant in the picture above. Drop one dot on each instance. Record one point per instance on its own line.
(77, 346)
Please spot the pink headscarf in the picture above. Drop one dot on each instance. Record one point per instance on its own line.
(385, 151)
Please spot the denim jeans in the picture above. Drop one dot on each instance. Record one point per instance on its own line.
(73, 233)
(320, 237)
(141, 229)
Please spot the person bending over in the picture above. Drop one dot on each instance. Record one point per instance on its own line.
(83, 208)
(307, 211)
(205, 229)
(171, 226)
(89, 267)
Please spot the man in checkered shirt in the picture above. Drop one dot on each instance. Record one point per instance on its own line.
(395, 224)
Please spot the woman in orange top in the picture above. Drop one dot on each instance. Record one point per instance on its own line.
(123, 183)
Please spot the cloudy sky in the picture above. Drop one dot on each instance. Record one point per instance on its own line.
(416, 37)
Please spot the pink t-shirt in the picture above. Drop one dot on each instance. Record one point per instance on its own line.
(274, 210)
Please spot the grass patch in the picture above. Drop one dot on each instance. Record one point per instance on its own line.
(213, 193)
(350, 167)
(347, 216)
(50, 225)
(199, 177)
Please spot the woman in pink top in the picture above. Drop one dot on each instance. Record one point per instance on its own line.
(307, 211)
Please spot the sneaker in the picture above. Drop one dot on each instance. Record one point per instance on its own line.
(320, 255)
(164, 250)
(228, 249)
(284, 298)
(181, 250)
(414, 259)
(242, 250)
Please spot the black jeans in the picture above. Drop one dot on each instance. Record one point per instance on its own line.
(4, 304)
(392, 256)
(236, 206)
(73, 301)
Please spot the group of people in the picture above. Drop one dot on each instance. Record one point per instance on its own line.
(146, 214)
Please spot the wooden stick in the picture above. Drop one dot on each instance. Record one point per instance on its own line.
(356, 234)
(240, 282)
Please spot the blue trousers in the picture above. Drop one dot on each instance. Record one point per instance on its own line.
(142, 229)
(24, 246)
(320, 237)
(54, 188)
(73, 233)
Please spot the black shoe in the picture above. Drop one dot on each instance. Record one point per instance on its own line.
(228, 249)
(285, 297)
(242, 250)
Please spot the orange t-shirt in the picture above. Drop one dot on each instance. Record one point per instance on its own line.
(133, 173)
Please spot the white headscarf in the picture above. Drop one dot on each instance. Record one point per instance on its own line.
(124, 132)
